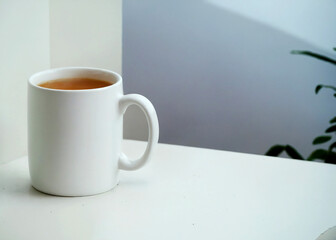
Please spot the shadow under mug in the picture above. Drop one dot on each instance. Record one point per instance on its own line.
(75, 136)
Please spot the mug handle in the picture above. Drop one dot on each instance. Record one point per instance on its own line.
(153, 127)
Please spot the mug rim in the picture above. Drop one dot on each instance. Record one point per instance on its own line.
(51, 70)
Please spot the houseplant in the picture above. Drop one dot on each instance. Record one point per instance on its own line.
(328, 155)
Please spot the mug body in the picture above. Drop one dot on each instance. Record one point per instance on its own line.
(74, 136)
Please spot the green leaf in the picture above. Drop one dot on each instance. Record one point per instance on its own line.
(327, 156)
(292, 152)
(334, 94)
(331, 158)
(275, 150)
(318, 88)
(332, 146)
(314, 55)
(331, 129)
(331, 87)
(321, 139)
(318, 154)
(334, 48)
(333, 120)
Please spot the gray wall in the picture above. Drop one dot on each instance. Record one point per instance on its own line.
(221, 80)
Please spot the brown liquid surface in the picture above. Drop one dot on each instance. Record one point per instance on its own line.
(75, 83)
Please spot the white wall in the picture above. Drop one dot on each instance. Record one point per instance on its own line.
(308, 20)
(86, 33)
(36, 35)
(24, 49)
(220, 73)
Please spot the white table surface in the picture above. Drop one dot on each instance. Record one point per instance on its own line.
(183, 193)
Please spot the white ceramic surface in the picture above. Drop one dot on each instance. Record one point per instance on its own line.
(74, 136)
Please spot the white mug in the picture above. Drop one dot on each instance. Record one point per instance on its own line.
(74, 136)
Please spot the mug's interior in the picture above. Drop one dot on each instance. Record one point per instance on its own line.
(74, 72)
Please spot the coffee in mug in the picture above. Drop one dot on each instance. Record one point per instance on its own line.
(74, 83)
